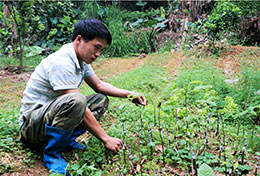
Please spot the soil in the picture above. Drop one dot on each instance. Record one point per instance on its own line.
(10, 92)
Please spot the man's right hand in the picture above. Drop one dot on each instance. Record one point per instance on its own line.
(113, 144)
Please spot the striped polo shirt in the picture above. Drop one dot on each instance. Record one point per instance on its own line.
(60, 70)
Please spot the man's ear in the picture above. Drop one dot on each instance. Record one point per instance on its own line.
(78, 38)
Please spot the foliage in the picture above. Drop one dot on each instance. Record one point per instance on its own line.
(205, 170)
(42, 23)
(6, 34)
(125, 26)
(21, 13)
(248, 8)
(224, 15)
(58, 18)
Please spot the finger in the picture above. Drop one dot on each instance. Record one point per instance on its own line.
(142, 100)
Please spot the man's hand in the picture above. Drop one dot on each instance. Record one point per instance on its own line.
(113, 144)
(139, 100)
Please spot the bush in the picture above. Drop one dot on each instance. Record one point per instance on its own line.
(222, 19)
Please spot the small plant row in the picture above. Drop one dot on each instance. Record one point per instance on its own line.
(169, 137)
(182, 144)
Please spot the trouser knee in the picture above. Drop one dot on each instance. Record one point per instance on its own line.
(98, 104)
(70, 111)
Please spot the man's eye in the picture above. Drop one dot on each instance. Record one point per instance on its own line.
(97, 47)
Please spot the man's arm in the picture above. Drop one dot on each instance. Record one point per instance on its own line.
(91, 124)
(103, 87)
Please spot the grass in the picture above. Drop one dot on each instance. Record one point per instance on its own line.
(193, 106)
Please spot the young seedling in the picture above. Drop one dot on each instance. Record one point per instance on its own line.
(230, 167)
(224, 151)
(160, 131)
(224, 139)
(169, 138)
(175, 142)
(206, 143)
(154, 113)
(257, 166)
(130, 159)
(237, 172)
(220, 149)
(151, 141)
(193, 162)
(218, 123)
(177, 119)
(141, 163)
(123, 148)
(199, 123)
(120, 170)
(238, 128)
(156, 172)
(243, 151)
(141, 117)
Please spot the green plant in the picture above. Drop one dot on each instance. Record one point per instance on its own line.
(223, 17)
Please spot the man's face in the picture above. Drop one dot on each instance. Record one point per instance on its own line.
(89, 51)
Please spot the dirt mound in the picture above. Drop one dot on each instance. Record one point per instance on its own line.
(176, 62)
(111, 67)
(229, 61)
(14, 73)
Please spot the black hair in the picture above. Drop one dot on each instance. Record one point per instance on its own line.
(90, 29)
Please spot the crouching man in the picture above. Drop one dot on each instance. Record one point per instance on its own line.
(53, 112)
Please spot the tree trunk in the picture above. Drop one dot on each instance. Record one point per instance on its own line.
(17, 34)
(6, 11)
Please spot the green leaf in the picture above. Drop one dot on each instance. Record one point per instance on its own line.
(207, 101)
(205, 170)
(244, 167)
(98, 173)
(149, 23)
(235, 166)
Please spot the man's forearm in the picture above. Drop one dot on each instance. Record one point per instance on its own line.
(111, 90)
(91, 124)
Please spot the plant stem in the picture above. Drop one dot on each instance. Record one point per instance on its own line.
(238, 128)
(169, 138)
(141, 117)
(230, 168)
(151, 142)
(160, 131)
(123, 148)
(130, 159)
(156, 172)
(177, 120)
(193, 162)
(120, 170)
(224, 139)
(218, 123)
(257, 166)
(154, 114)
(243, 151)
(141, 164)
(175, 143)
(220, 149)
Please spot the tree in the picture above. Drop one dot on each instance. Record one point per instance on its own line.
(21, 13)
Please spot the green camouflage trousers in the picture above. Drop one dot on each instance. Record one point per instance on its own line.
(66, 112)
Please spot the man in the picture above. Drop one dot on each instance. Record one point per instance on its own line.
(53, 112)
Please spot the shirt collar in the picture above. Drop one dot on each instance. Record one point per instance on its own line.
(74, 58)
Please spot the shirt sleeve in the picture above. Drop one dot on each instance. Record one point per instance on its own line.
(88, 71)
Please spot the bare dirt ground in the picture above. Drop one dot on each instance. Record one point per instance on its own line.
(12, 86)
